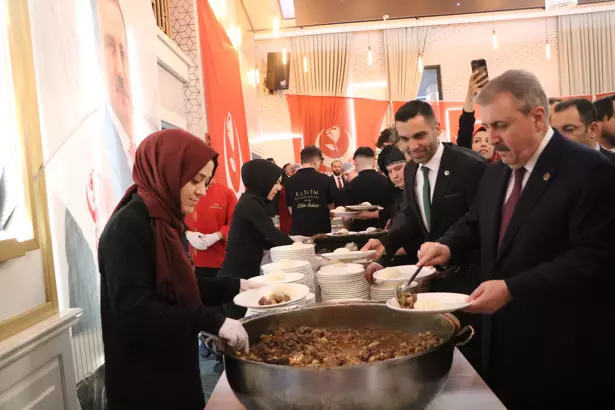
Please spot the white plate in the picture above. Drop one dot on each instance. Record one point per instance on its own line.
(296, 247)
(449, 302)
(250, 298)
(405, 272)
(364, 207)
(345, 213)
(334, 234)
(348, 255)
(289, 277)
(293, 265)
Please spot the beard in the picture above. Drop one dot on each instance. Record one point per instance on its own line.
(608, 137)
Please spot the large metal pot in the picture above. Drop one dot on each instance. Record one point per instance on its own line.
(405, 383)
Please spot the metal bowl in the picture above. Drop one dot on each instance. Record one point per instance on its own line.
(404, 383)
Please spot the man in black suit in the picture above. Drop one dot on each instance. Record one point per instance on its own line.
(605, 108)
(336, 174)
(441, 183)
(577, 120)
(544, 222)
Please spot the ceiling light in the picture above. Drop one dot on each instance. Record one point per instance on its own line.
(554, 5)
(494, 40)
(276, 27)
(257, 75)
(421, 66)
(547, 46)
(370, 60)
(288, 9)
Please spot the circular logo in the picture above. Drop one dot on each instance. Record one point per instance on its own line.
(335, 143)
(233, 157)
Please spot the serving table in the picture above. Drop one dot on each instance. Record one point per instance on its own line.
(464, 390)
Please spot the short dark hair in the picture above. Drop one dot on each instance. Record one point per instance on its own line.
(414, 108)
(336, 160)
(553, 100)
(384, 137)
(586, 109)
(286, 165)
(604, 107)
(310, 153)
(270, 159)
(365, 152)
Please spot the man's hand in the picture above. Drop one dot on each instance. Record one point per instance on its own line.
(374, 245)
(433, 253)
(489, 297)
(370, 270)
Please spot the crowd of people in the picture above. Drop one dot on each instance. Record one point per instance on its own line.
(518, 214)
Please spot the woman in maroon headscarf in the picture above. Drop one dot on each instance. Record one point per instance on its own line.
(152, 305)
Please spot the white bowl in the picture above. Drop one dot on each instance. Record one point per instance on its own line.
(286, 265)
(250, 298)
(290, 277)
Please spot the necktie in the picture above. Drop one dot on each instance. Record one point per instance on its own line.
(426, 196)
(339, 182)
(511, 203)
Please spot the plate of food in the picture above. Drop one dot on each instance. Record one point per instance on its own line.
(342, 211)
(345, 254)
(365, 206)
(342, 232)
(271, 296)
(399, 273)
(434, 302)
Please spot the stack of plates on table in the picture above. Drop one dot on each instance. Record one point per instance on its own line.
(279, 277)
(293, 266)
(343, 281)
(382, 292)
(297, 251)
(310, 299)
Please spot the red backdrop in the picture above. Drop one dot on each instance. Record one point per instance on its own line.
(226, 115)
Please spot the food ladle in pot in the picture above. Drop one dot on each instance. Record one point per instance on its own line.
(399, 289)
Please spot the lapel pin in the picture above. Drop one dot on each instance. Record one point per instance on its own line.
(546, 177)
(447, 172)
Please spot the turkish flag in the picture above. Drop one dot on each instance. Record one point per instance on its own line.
(226, 115)
(324, 122)
(602, 95)
(368, 116)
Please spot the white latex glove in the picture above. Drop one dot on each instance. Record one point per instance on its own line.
(248, 284)
(235, 335)
(211, 239)
(197, 240)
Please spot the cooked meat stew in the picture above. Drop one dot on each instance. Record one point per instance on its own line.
(316, 348)
(273, 299)
(407, 300)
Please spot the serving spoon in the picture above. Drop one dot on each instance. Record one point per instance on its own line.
(399, 288)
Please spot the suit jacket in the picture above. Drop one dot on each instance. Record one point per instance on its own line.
(544, 349)
(608, 154)
(457, 182)
(369, 186)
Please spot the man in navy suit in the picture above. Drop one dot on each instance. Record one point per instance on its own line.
(544, 223)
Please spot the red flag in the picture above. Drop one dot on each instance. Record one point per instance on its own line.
(226, 115)
(368, 116)
(324, 122)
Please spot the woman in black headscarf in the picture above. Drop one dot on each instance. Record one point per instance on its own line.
(252, 231)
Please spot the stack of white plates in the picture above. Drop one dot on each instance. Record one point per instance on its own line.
(298, 252)
(381, 292)
(293, 266)
(343, 281)
(310, 299)
(282, 277)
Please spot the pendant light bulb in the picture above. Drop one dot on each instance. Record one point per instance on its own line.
(284, 56)
(305, 64)
(494, 39)
(548, 51)
(276, 27)
(370, 60)
(257, 76)
(421, 66)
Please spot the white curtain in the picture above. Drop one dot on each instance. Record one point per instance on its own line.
(403, 48)
(327, 57)
(587, 53)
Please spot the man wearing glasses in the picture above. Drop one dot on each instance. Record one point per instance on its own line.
(310, 195)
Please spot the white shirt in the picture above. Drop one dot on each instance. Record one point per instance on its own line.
(434, 165)
(530, 164)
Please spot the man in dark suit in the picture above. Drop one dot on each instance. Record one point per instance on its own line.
(577, 120)
(544, 222)
(441, 183)
(336, 174)
(605, 108)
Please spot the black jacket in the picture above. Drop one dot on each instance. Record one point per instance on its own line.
(608, 154)
(457, 182)
(369, 186)
(252, 231)
(546, 348)
(151, 347)
(466, 129)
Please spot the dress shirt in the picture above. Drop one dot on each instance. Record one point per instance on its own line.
(434, 165)
(530, 164)
(339, 181)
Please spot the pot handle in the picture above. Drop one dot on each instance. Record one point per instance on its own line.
(458, 336)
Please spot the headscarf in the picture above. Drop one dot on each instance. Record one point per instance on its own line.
(259, 176)
(165, 161)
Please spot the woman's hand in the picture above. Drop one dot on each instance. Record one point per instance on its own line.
(478, 80)
(197, 240)
(235, 335)
(248, 284)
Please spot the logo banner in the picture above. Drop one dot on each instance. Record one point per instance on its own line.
(226, 115)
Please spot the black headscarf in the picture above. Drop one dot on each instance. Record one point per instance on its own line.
(259, 176)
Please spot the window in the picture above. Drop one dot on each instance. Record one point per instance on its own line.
(431, 84)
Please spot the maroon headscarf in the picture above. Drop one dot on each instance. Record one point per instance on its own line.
(165, 161)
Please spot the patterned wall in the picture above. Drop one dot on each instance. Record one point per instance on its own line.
(184, 33)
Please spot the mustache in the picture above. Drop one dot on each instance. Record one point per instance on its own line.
(501, 148)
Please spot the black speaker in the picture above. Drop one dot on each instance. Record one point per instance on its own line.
(277, 72)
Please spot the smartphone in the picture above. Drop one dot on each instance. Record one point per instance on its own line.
(478, 65)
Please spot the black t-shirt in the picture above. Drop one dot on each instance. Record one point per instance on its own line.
(309, 193)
